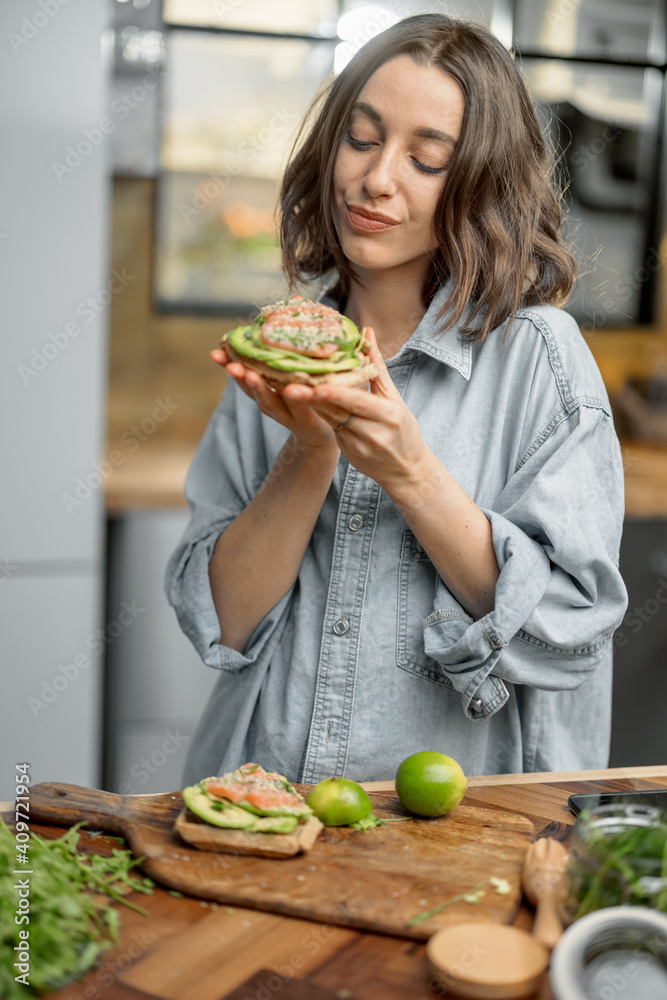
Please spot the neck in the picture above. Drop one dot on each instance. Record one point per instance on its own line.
(390, 302)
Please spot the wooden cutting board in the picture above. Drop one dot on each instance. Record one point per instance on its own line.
(374, 879)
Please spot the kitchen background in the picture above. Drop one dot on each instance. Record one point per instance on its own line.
(142, 142)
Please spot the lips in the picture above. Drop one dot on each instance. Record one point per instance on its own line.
(369, 222)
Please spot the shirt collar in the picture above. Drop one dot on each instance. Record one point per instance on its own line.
(451, 348)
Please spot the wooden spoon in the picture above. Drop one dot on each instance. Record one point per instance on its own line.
(487, 961)
(490, 961)
(542, 880)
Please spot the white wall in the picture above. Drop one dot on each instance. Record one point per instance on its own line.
(53, 257)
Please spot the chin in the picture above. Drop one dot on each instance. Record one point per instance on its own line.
(360, 251)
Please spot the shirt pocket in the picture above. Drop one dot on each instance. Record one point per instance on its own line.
(417, 580)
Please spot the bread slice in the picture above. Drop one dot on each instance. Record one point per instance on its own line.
(201, 834)
(351, 377)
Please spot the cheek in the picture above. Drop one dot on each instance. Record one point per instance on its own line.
(339, 184)
(425, 198)
(343, 169)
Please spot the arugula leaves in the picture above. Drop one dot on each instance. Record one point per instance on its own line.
(471, 896)
(70, 926)
(625, 867)
(371, 820)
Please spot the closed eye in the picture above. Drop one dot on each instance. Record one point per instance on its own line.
(426, 169)
(362, 144)
(357, 143)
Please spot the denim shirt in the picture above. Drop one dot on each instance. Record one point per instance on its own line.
(369, 657)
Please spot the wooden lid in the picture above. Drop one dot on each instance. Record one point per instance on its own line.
(487, 961)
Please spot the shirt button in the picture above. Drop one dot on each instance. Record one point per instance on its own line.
(355, 522)
(476, 704)
(341, 626)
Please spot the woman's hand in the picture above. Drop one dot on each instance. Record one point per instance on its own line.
(288, 406)
(380, 436)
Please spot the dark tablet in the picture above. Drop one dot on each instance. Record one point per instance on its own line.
(654, 798)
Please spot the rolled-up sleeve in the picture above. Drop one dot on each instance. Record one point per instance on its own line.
(559, 598)
(228, 468)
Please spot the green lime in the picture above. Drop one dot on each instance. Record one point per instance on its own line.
(339, 801)
(430, 783)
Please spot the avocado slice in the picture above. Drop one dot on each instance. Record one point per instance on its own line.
(274, 824)
(315, 367)
(233, 817)
(303, 811)
(203, 805)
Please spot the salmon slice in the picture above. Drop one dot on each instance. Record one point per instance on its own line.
(254, 770)
(251, 784)
(303, 327)
(235, 791)
(270, 798)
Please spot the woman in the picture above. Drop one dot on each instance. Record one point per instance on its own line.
(431, 564)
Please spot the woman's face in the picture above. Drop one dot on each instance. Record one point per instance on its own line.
(393, 161)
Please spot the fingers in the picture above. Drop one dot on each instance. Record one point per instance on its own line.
(235, 370)
(382, 385)
(334, 419)
(298, 399)
(293, 392)
(250, 382)
(334, 415)
(340, 401)
(268, 401)
(295, 405)
(238, 374)
(219, 356)
(288, 405)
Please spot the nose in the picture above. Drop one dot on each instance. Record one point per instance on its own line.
(381, 175)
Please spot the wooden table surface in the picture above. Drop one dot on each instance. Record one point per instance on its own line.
(188, 949)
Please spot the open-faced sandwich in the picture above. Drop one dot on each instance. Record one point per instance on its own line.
(297, 340)
(248, 811)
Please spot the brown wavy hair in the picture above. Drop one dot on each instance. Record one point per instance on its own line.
(498, 219)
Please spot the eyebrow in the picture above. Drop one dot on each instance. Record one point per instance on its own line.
(424, 133)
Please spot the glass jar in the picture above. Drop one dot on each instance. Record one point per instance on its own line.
(619, 953)
(618, 857)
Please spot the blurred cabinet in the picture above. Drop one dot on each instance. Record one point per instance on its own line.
(156, 686)
(52, 678)
(639, 735)
(597, 29)
(134, 106)
(607, 120)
